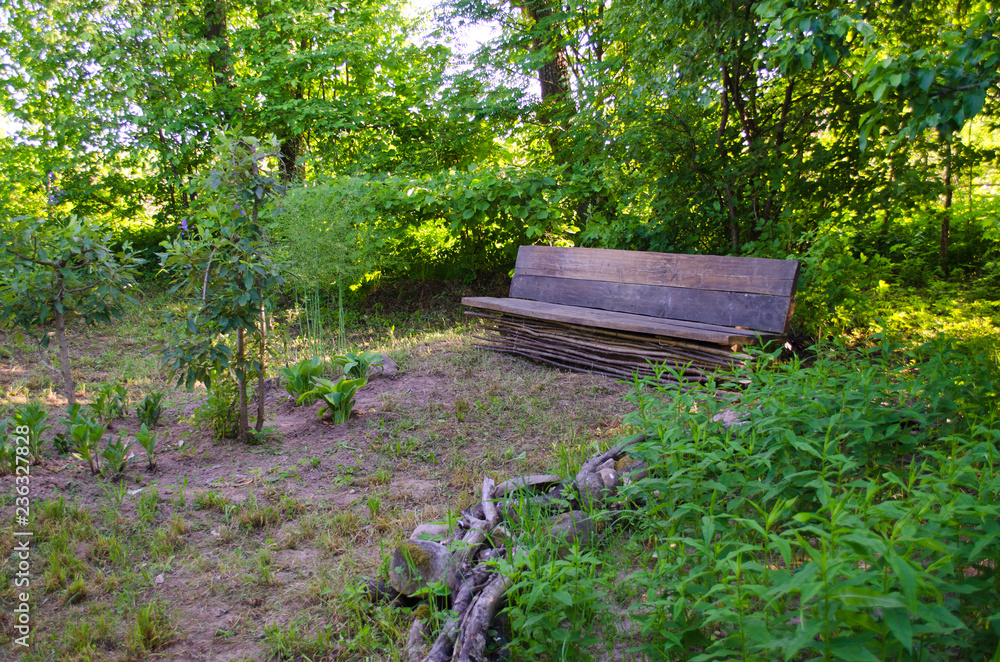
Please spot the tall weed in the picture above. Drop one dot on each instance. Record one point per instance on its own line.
(851, 513)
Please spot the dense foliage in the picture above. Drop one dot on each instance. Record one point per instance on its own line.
(843, 510)
(858, 138)
(57, 270)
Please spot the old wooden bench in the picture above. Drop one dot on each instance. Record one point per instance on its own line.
(619, 312)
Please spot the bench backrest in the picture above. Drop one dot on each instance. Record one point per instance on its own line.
(745, 292)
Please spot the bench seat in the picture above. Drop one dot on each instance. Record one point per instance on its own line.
(620, 312)
(592, 317)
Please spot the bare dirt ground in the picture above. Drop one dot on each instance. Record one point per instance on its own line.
(258, 552)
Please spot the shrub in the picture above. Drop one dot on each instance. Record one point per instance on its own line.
(850, 514)
(55, 270)
(149, 410)
(300, 378)
(338, 397)
(357, 365)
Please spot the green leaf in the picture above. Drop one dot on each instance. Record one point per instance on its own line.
(898, 621)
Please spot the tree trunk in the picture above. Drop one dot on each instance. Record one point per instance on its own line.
(290, 149)
(946, 215)
(243, 424)
(67, 375)
(263, 373)
(553, 77)
(219, 59)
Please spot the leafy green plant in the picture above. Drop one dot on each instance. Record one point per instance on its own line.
(100, 404)
(75, 415)
(33, 416)
(56, 270)
(338, 397)
(8, 452)
(110, 401)
(116, 457)
(300, 378)
(150, 409)
(147, 440)
(356, 365)
(86, 443)
(221, 408)
(226, 274)
(119, 401)
(841, 510)
(555, 604)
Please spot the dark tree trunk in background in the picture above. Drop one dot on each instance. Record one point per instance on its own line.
(219, 60)
(553, 76)
(946, 215)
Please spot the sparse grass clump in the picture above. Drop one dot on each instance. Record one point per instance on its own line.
(153, 629)
(255, 515)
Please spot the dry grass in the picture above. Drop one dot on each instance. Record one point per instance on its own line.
(258, 552)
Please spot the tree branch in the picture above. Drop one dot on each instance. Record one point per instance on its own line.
(45, 363)
(34, 260)
(204, 285)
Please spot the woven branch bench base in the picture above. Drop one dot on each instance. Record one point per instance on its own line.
(614, 353)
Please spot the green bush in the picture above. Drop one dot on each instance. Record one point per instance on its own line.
(337, 397)
(301, 377)
(150, 409)
(145, 242)
(219, 411)
(357, 364)
(850, 514)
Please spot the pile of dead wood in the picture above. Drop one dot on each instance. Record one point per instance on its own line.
(463, 557)
(605, 351)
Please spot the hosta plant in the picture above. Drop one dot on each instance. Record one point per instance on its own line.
(338, 397)
(33, 417)
(149, 410)
(8, 453)
(116, 457)
(356, 365)
(110, 401)
(300, 378)
(75, 415)
(147, 440)
(86, 440)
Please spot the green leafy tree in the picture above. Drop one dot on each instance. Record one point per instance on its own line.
(60, 270)
(224, 269)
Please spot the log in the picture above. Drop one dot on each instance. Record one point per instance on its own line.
(416, 641)
(590, 349)
(489, 508)
(473, 641)
(534, 482)
(588, 480)
(443, 646)
(459, 566)
(478, 592)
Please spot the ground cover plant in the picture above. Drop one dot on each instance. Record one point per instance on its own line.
(262, 551)
(281, 164)
(847, 492)
(844, 509)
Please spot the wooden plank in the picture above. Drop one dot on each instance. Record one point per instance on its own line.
(759, 312)
(750, 275)
(709, 333)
